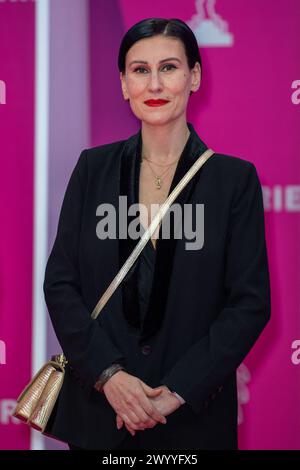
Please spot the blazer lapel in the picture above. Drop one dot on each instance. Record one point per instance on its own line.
(165, 248)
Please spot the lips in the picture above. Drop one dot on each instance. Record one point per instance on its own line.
(156, 102)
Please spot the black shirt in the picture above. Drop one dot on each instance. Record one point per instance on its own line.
(146, 263)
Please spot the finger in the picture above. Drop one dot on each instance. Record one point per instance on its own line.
(132, 431)
(128, 422)
(144, 417)
(129, 429)
(151, 411)
(120, 422)
(138, 417)
(135, 411)
(152, 392)
(147, 405)
(145, 422)
(132, 420)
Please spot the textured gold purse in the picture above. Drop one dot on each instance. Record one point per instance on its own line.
(37, 400)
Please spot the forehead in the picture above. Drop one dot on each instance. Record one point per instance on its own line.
(155, 49)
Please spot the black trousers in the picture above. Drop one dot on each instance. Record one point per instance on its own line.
(129, 443)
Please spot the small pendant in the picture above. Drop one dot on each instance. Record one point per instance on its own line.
(157, 182)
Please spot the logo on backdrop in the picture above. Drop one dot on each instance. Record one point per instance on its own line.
(7, 407)
(295, 357)
(281, 198)
(2, 91)
(2, 352)
(295, 97)
(210, 28)
(243, 377)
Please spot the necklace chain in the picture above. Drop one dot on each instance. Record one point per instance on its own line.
(159, 178)
(158, 164)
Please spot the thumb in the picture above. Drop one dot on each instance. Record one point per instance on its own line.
(152, 392)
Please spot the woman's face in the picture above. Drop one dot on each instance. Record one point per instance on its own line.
(149, 76)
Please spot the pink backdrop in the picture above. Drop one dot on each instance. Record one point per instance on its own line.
(250, 53)
(16, 208)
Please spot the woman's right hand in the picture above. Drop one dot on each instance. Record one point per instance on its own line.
(127, 395)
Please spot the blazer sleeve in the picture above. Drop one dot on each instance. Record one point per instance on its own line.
(85, 343)
(205, 366)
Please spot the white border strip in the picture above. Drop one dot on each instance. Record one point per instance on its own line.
(41, 140)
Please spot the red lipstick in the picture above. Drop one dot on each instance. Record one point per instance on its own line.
(156, 102)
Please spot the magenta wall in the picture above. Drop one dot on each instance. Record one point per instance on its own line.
(16, 208)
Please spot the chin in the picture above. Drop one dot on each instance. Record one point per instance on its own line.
(159, 120)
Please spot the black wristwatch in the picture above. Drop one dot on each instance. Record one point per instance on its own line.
(107, 374)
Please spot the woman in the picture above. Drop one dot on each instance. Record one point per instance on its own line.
(157, 369)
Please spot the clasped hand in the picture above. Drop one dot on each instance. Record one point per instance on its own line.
(137, 405)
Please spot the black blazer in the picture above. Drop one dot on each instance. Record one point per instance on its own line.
(207, 307)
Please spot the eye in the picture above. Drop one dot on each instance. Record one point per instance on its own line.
(139, 68)
(170, 65)
(166, 65)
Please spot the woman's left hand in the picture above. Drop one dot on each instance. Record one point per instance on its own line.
(165, 403)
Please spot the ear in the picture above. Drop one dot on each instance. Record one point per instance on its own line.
(123, 85)
(196, 77)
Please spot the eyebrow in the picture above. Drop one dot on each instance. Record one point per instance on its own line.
(145, 62)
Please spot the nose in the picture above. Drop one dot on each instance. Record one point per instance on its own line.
(155, 83)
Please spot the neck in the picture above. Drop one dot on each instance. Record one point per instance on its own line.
(164, 144)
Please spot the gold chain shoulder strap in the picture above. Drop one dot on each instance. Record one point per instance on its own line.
(149, 232)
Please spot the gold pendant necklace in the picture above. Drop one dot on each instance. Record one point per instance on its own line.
(158, 178)
(158, 182)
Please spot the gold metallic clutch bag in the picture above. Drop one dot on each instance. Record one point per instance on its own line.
(37, 400)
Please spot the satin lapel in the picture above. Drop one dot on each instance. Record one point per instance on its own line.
(129, 184)
(165, 248)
